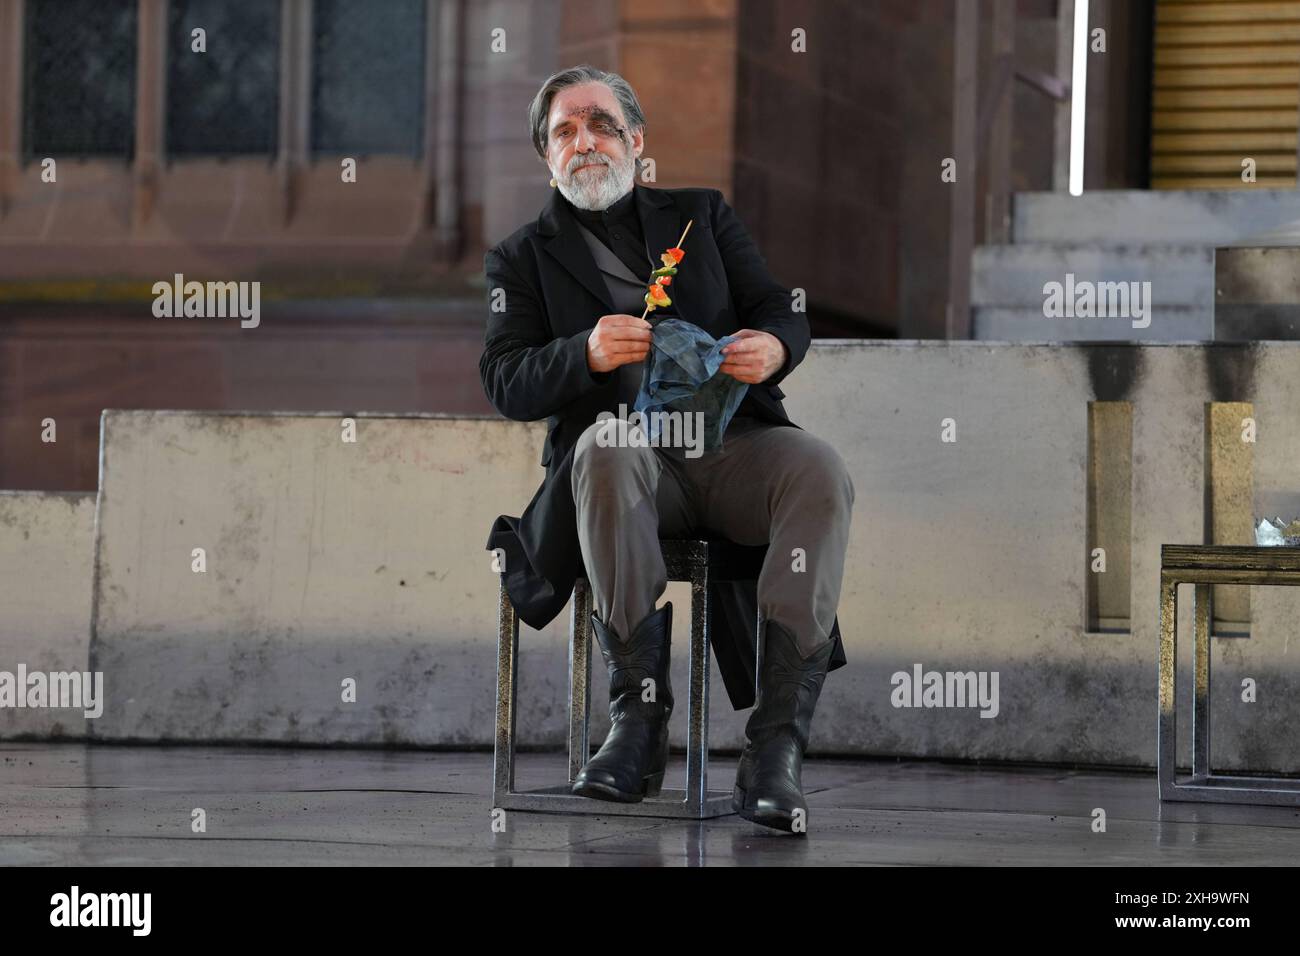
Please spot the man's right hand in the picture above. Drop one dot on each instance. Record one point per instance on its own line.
(617, 340)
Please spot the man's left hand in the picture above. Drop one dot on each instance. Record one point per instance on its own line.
(754, 357)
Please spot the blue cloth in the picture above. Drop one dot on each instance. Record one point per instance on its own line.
(682, 375)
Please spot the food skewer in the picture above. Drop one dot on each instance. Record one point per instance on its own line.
(656, 297)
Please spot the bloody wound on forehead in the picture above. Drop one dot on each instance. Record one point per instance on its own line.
(596, 113)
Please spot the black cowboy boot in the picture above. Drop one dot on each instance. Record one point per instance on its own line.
(630, 763)
(769, 783)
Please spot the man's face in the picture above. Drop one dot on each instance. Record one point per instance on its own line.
(589, 149)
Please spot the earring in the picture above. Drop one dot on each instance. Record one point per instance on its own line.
(552, 182)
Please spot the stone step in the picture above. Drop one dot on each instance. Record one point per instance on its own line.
(1178, 217)
(1015, 275)
(1170, 323)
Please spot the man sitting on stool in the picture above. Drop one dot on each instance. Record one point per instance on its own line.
(565, 342)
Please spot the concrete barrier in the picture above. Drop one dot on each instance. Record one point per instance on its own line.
(326, 562)
(971, 555)
(46, 540)
(329, 560)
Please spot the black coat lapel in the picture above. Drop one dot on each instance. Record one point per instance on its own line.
(569, 250)
(660, 221)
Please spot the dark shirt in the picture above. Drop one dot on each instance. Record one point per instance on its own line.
(619, 227)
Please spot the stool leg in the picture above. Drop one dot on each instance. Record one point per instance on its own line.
(697, 701)
(1167, 723)
(1201, 682)
(503, 760)
(580, 679)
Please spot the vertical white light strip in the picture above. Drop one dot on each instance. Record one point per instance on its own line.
(1078, 96)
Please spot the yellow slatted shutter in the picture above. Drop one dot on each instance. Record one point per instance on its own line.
(1226, 88)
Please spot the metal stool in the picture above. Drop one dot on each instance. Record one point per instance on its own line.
(698, 561)
(1204, 566)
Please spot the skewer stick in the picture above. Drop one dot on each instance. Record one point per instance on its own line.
(678, 246)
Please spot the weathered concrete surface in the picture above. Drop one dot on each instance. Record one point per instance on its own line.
(328, 560)
(325, 561)
(1012, 275)
(1203, 217)
(1257, 291)
(46, 543)
(971, 555)
(1027, 324)
(76, 805)
(1007, 291)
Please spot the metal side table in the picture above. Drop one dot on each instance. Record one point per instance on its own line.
(1203, 566)
(698, 561)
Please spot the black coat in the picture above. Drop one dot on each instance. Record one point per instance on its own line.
(545, 294)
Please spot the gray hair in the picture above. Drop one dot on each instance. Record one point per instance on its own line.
(540, 108)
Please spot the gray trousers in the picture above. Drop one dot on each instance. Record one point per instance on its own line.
(769, 484)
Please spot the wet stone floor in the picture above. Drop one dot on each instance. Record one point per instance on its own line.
(107, 805)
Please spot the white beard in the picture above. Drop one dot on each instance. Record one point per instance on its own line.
(593, 189)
